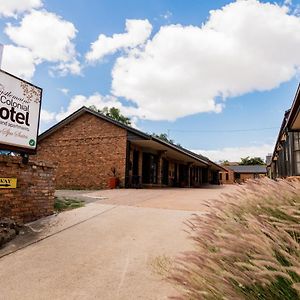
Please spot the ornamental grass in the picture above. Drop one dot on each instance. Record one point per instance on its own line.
(247, 245)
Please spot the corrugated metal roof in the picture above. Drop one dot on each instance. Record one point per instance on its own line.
(259, 169)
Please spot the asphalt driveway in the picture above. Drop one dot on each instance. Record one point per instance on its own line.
(107, 249)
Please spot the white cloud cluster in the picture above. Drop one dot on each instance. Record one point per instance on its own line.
(245, 46)
(11, 8)
(46, 116)
(19, 61)
(47, 35)
(48, 38)
(137, 32)
(235, 154)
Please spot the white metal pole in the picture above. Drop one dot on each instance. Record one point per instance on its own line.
(1, 54)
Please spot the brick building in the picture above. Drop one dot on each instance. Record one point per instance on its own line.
(89, 147)
(240, 173)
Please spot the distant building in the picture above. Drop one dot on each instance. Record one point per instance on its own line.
(285, 160)
(241, 173)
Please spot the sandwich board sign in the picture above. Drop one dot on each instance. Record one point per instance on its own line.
(20, 106)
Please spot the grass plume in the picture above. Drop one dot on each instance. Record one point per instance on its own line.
(246, 245)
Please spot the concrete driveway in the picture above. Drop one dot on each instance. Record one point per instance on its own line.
(108, 249)
(168, 198)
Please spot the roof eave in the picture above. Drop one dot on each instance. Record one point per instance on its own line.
(182, 150)
(295, 109)
(81, 111)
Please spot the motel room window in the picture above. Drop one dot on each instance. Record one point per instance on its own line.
(297, 152)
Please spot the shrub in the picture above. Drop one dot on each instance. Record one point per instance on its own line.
(246, 245)
(62, 204)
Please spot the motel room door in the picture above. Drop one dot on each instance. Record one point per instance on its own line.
(135, 168)
(165, 172)
(150, 162)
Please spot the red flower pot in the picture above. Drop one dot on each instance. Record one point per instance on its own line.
(113, 182)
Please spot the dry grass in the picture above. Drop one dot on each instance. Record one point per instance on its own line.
(162, 265)
(246, 246)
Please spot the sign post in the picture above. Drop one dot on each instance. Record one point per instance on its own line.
(20, 105)
(1, 54)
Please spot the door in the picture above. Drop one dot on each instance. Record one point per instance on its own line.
(149, 168)
(135, 168)
(165, 172)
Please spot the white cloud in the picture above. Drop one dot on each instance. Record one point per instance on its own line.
(245, 46)
(94, 100)
(288, 2)
(11, 8)
(167, 15)
(64, 68)
(18, 61)
(46, 116)
(64, 91)
(49, 37)
(137, 32)
(235, 154)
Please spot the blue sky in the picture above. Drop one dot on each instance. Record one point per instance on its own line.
(216, 75)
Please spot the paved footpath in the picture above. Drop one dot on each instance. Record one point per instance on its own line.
(100, 251)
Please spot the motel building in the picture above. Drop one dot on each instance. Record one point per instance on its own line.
(93, 151)
(285, 161)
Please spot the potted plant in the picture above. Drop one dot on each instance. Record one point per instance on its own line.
(113, 180)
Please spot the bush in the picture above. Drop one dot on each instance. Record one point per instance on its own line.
(246, 246)
(62, 204)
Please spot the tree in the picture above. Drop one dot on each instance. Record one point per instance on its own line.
(113, 113)
(251, 161)
(224, 162)
(164, 137)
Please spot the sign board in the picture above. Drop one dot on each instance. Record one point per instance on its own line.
(20, 105)
(8, 183)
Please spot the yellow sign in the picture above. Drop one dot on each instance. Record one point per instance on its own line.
(8, 183)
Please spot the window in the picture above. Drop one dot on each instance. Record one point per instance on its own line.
(227, 176)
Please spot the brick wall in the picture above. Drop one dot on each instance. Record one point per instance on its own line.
(34, 196)
(230, 177)
(85, 150)
(243, 177)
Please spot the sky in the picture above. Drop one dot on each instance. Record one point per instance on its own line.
(216, 76)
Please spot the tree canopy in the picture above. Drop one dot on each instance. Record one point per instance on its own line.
(251, 161)
(113, 113)
(164, 137)
(224, 162)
